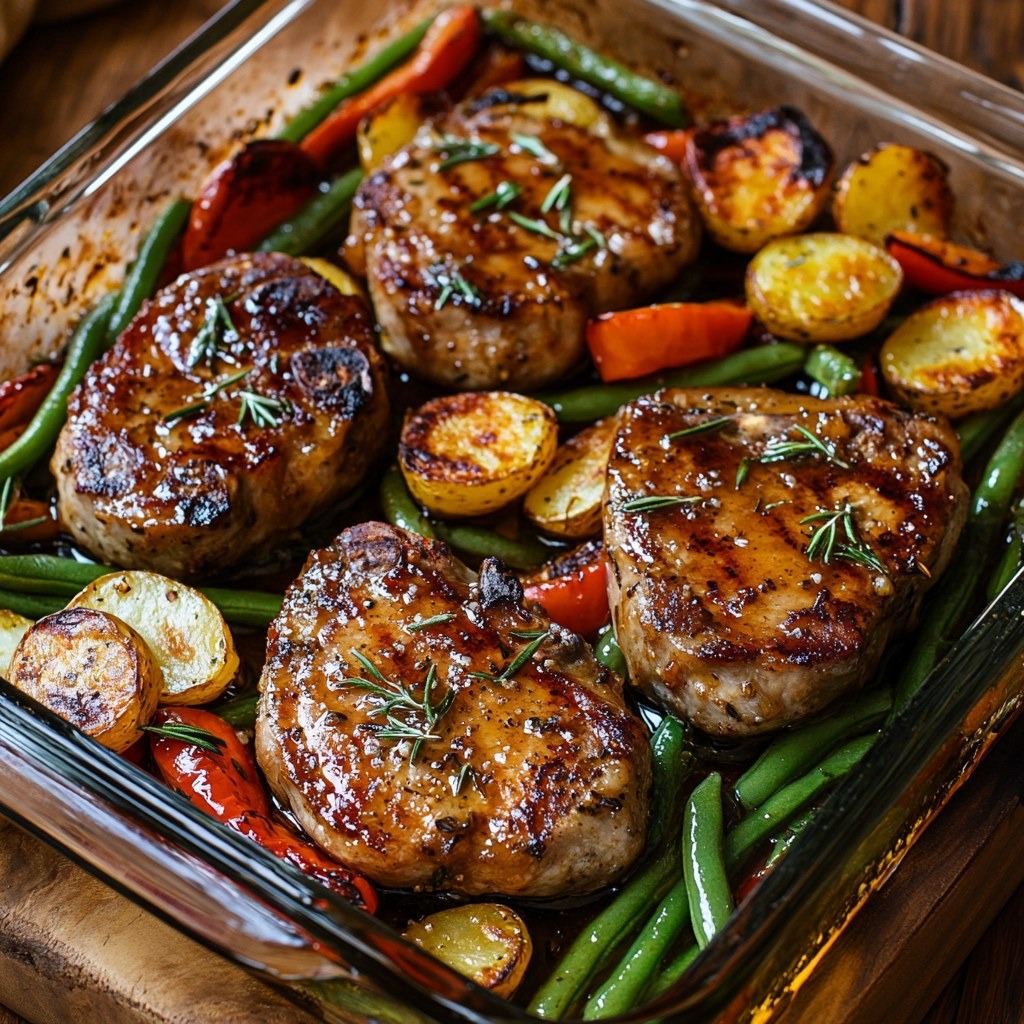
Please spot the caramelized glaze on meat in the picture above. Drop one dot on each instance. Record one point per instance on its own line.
(475, 300)
(188, 495)
(529, 785)
(720, 611)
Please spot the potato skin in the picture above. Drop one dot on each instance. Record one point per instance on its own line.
(566, 500)
(487, 942)
(185, 631)
(91, 669)
(758, 176)
(959, 354)
(802, 288)
(476, 452)
(893, 188)
(12, 628)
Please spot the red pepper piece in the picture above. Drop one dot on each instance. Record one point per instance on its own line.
(227, 786)
(447, 48)
(245, 198)
(577, 600)
(671, 143)
(20, 397)
(938, 267)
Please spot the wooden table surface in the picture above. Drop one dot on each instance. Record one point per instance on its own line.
(962, 902)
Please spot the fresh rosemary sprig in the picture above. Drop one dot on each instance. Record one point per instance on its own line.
(836, 536)
(783, 451)
(559, 196)
(217, 328)
(461, 151)
(407, 716)
(199, 404)
(263, 410)
(535, 225)
(704, 427)
(508, 673)
(654, 502)
(505, 193)
(185, 733)
(452, 283)
(434, 620)
(532, 145)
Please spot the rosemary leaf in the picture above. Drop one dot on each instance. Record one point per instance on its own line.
(434, 620)
(704, 427)
(505, 193)
(461, 151)
(532, 145)
(653, 502)
(185, 733)
(538, 227)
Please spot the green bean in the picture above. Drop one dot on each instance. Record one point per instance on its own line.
(629, 980)
(609, 653)
(785, 838)
(400, 509)
(710, 895)
(141, 280)
(783, 805)
(86, 344)
(759, 365)
(525, 553)
(353, 82)
(1012, 557)
(954, 595)
(835, 371)
(648, 96)
(63, 578)
(239, 713)
(306, 230)
(977, 430)
(572, 975)
(674, 970)
(794, 752)
(32, 606)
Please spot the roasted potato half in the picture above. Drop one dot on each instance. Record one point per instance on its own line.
(757, 177)
(474, 453)
(12, 628)
(822, 287)
(186, 632)
(566, 500)
(557, 101)
(959, 354)
(486, 942)
(93, 670)
(389, 129)
(893, 188)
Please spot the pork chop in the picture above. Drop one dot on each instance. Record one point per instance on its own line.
(245, 398)
(477, 296)
(428, 731)
(764, 546)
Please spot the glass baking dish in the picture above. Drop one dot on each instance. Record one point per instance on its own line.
(65, 237)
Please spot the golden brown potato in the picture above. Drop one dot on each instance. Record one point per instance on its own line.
(561, 102)
(566, 500)
(822, 287)
(893, 188)
(959, 354)
(186, 632)
(389, 129)
(486, 942)
(12, 628)
(473, 453)
(91, 669)
(758, 176)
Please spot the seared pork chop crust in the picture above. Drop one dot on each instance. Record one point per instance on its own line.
(772, 587)
(533, 779)
(245, 398)
(476, 299)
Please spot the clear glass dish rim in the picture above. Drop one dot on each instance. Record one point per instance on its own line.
(897, 758)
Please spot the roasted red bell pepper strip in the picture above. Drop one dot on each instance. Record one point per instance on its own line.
(670, 143)
(447, 48)
(227, 786)
(245, 197)
(636, 342)
(20, 397)
(29, 522)
(577, 600)
(939, 267)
